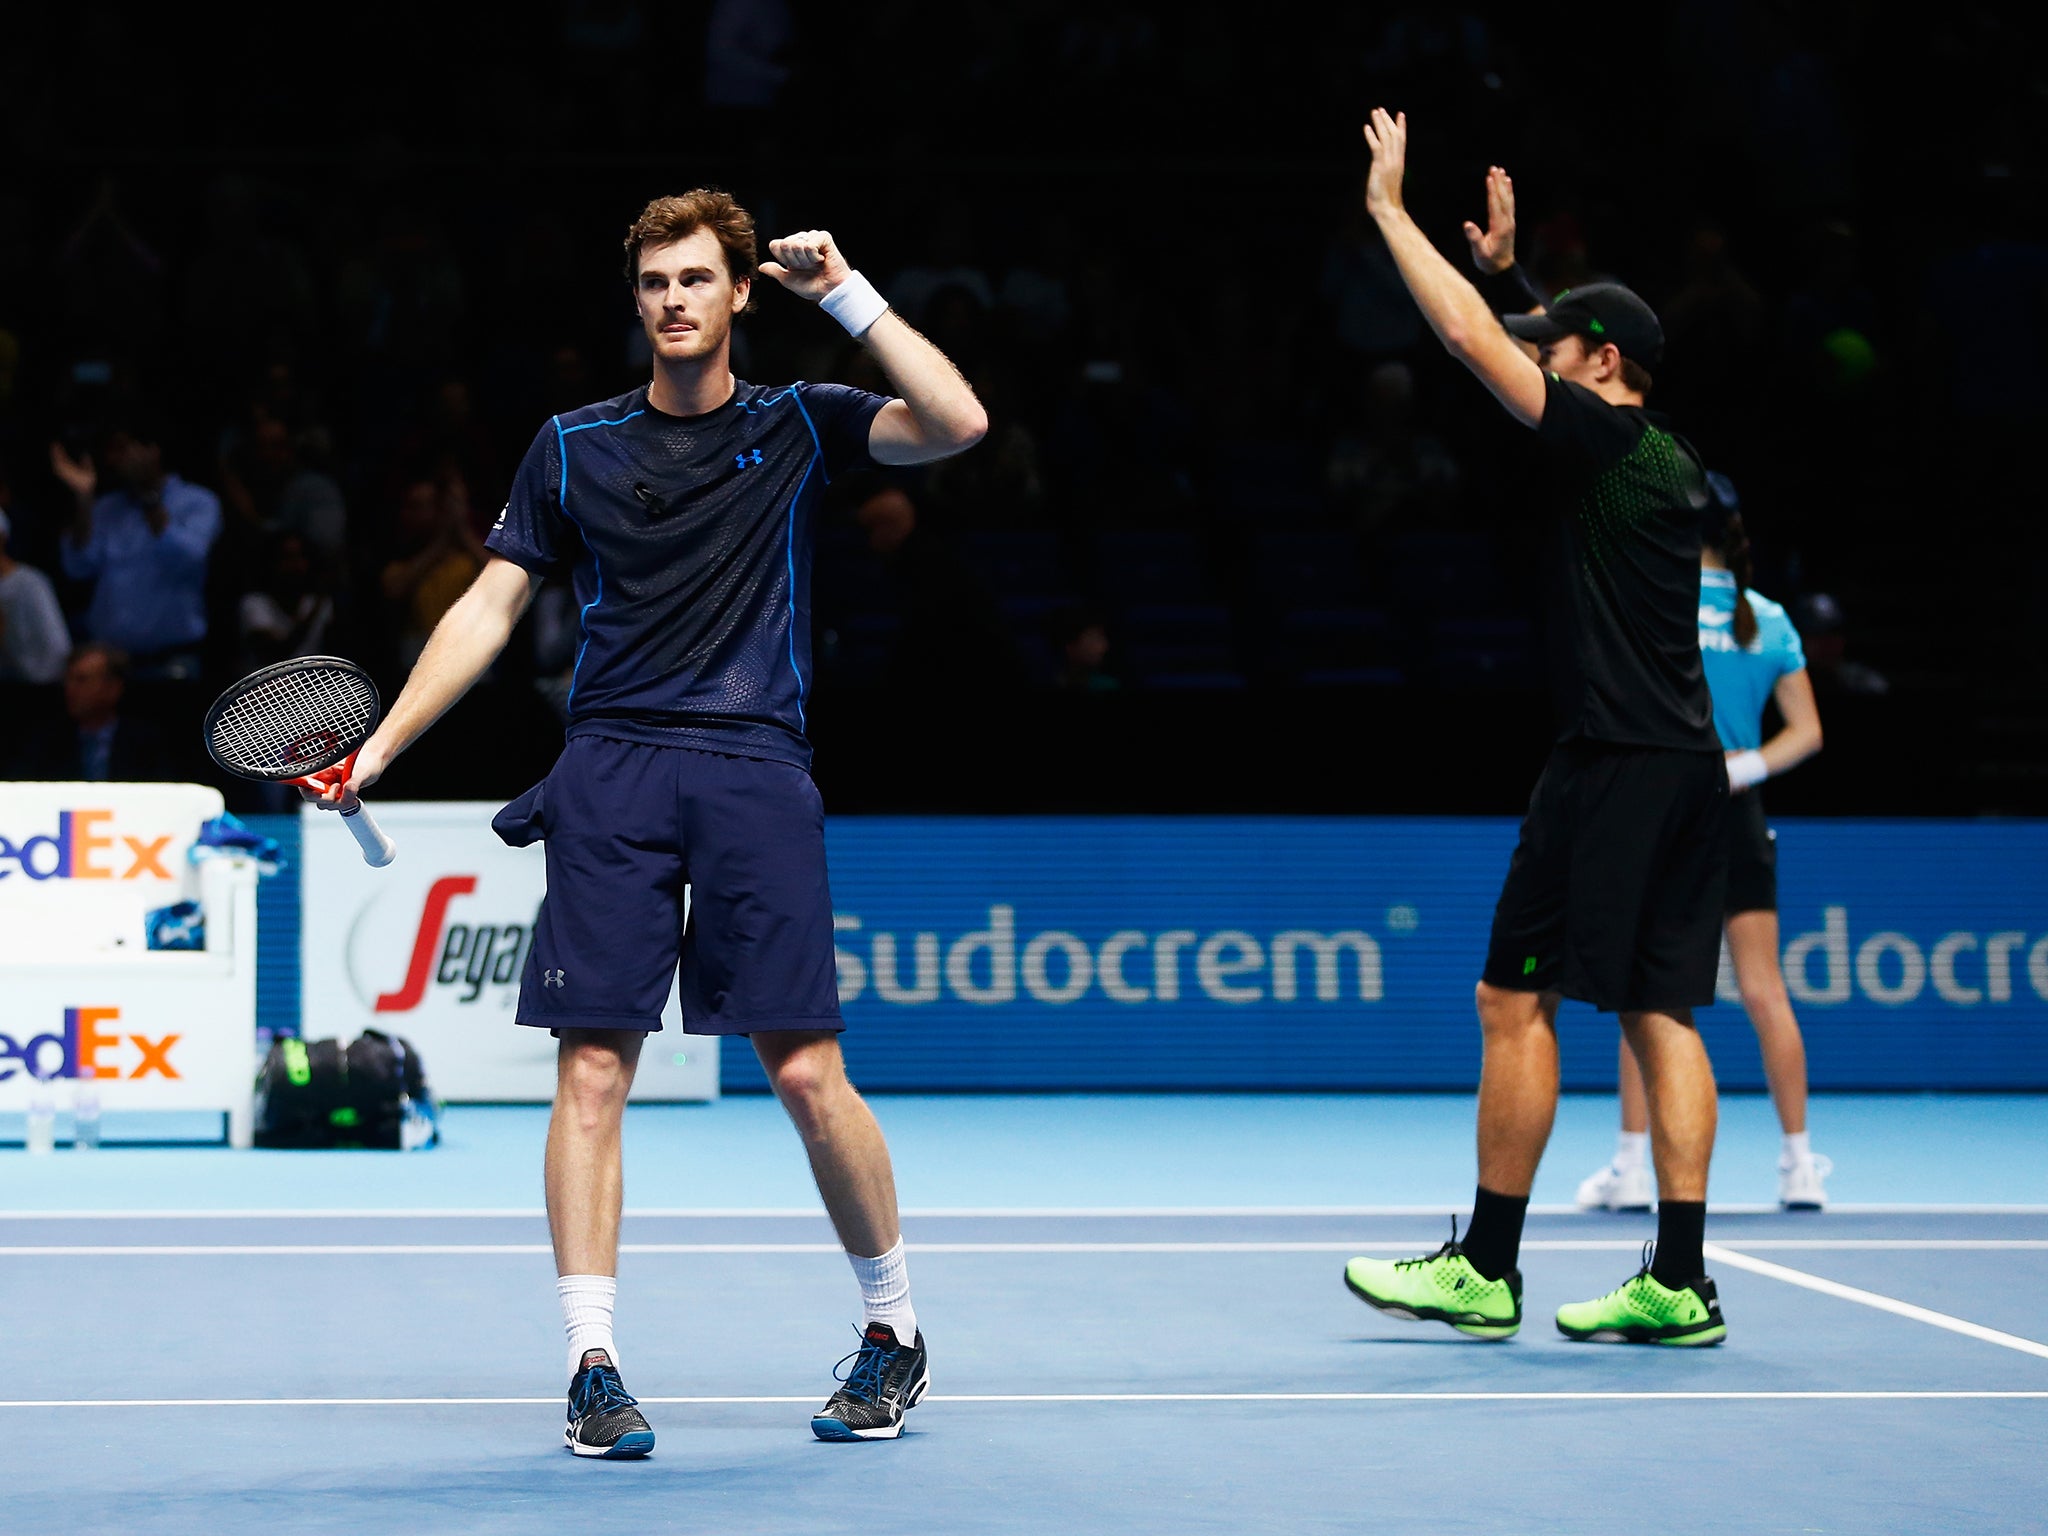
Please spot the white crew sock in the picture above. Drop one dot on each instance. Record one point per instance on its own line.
(587, 1302)
(1797, 1149)
(885, 1290)
(1631, 1149)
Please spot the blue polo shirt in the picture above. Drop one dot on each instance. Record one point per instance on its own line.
(688, 542)
(1741, 678)
(149, 592)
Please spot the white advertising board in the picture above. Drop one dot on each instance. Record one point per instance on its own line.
(82, 997)
(431, 948)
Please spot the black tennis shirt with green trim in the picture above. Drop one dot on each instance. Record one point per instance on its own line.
(688, 541)
(1624, 582)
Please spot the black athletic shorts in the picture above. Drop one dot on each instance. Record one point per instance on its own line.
(1752, 856)
(627, 824)
(1616, 891)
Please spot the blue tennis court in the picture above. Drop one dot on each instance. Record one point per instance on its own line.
(1123, 1339)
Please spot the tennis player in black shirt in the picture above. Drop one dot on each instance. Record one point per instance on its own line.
(683, 512)
(1614, 893)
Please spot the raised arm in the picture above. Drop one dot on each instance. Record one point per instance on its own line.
(1461, 318)
(462, 647)
(936, 414)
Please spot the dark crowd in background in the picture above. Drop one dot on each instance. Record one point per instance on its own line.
(279, 315)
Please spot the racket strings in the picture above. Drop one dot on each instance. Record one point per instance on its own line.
(296, 723)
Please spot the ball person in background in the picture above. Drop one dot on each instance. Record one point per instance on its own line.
(1614, 894)
(684, 514)
(1753, 656)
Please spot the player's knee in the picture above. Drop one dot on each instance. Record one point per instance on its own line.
(1766, 1004)
(593, 1078)
(1503, 1011)
(805, 1081)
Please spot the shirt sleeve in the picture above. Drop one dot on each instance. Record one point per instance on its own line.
(192, 523)
(531, 531)
(82, 561)
(1785, 644)
(43, 642)
(841, 416)
(1581, 428)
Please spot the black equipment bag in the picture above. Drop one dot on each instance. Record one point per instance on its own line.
(316, 1094)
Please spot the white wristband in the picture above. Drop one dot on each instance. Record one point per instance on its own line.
(1746, 769)
(855, 304)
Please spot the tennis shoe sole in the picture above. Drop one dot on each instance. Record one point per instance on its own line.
(630, 1446)
(1468, 1323)
(825, 1427)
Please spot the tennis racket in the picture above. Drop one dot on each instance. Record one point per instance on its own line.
(289, 723)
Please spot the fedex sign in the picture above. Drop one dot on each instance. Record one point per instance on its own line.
(85, 847)
(91, 1044)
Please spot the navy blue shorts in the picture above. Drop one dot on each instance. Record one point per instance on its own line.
(627, 826)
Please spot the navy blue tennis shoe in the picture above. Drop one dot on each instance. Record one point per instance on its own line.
(604, 1418)
(881, 1381)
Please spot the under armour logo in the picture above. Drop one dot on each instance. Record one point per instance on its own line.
(743, 460)
(553, 979)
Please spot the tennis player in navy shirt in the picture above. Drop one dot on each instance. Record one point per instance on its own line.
(683, 513)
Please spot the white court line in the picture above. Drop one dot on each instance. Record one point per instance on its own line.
(1720, 1254)
(1341, 1245)
(1045, 1397)
(977, 1213)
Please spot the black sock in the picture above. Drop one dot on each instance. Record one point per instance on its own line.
(1681, 1237)
(1493, 1241)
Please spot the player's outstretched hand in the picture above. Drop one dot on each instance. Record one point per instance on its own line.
(340, 788)
(1493, 248)
(807, 263)
(1387, 134)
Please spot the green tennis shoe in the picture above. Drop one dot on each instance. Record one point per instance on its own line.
(1441, 1287)
(1644, 1311)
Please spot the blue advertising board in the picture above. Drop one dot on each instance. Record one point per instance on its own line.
(1285, 953)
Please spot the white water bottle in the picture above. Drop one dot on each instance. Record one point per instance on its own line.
(42, 1119)
(85, 1116)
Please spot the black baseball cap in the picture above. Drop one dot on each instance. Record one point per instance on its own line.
(1603, 311)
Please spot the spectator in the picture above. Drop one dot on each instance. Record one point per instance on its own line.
(1383, 469)
(97, 742)
(951, 264)
(953, 641)
(33, 639)
(1822, 633)
(272, 490)
(440, 557)
(1082, 640)
(1371, 313)
(145, 546)
(291, 611)
(1003, 482)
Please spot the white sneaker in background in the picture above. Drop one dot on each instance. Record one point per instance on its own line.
(1618, 1188)
(1802, 1182)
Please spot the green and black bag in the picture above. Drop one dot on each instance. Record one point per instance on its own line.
(317, 1094)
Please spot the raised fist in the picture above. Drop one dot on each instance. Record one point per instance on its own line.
(807, 263)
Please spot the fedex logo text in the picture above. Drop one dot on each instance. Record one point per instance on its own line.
(87, 1048)
(82, 849)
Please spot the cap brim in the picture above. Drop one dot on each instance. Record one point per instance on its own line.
(1542, 327)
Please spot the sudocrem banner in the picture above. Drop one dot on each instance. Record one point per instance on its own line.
(1204, 953)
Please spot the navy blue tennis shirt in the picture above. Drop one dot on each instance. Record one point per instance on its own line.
(688, 540)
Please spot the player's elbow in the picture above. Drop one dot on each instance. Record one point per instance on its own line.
(969, 427)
